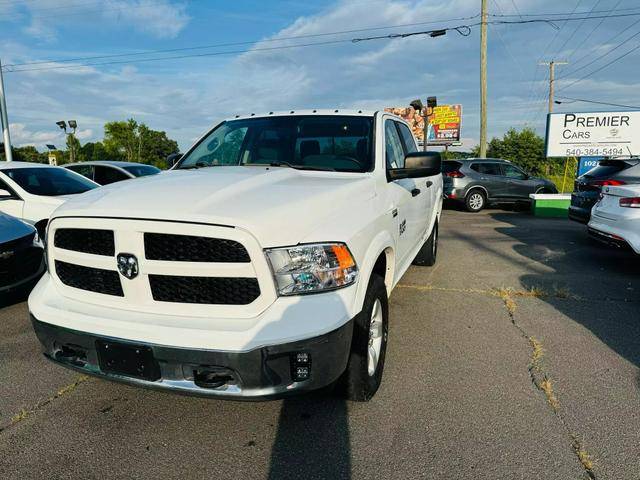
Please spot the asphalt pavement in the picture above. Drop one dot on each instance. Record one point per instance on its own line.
(515, 357)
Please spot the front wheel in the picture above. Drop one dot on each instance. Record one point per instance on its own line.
(363, 375)
(427, 255)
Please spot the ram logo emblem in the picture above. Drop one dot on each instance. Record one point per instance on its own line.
(128, 265)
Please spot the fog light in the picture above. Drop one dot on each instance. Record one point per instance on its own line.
(300, 366)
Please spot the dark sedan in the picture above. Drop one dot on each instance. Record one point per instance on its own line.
(588, 186)
(21, 254)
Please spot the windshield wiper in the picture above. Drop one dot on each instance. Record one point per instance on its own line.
(301, 167)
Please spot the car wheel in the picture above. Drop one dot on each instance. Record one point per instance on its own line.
(363, 374)
(427, 255)
(475, 201)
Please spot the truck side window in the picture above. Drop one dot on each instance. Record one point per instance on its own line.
(407, 138)
(394, 153)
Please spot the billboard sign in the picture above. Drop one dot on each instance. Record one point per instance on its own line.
(444, 122)
(596, 134)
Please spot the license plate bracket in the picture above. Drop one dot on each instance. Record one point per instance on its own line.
(128, 360)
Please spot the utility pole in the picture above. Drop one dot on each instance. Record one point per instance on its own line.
(552, 80)
(4, 120)
(483, 80)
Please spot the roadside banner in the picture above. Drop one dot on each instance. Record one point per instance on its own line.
(412, 117)
(594, 134)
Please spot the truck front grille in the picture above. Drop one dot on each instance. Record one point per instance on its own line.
(188, 248)
(88, 278)
(22, 264)
(174, 268)
(85, 240)
(204, 290)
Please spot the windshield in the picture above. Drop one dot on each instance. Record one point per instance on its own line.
(141, 170)
(340, 143)
(49, 182)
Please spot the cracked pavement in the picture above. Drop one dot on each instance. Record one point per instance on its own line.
(457, 399)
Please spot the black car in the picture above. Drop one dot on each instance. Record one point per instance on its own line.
(21, 254)
(587, 187)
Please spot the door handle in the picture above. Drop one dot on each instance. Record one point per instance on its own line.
(415, 192)
(429, 183)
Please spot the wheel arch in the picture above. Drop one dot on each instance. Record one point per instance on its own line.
(477, 187)
(379, 259)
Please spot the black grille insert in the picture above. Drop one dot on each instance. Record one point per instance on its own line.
(88, 278)
(204, 290)
(19, 265)
(188, 248)
(85, 240)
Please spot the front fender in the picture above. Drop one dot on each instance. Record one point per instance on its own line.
(382, 243)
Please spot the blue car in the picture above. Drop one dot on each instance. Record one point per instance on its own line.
(21, 254)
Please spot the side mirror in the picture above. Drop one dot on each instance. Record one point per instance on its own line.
(5, 194)
(418, 164)
(172, 159)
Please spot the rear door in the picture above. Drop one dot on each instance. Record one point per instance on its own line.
(425, 200)
(491, 177)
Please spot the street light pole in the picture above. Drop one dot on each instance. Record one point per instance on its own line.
(5, 120)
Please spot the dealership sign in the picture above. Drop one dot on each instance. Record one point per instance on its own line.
(597, 134)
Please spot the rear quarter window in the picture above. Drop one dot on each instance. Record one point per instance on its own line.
(609, 168)
(450, 166)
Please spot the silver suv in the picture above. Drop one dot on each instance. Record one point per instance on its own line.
(479, 181)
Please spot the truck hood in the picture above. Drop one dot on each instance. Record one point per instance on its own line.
(278, 205)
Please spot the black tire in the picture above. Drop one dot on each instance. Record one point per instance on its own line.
(475, 201)
(356, 384)
(429, 252)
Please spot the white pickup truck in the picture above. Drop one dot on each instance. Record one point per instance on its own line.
(259, 266)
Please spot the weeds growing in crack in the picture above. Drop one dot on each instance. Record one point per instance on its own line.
(24, 413)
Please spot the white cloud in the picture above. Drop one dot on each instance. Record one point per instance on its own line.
(158, 18)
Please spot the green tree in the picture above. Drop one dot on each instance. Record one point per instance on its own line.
(72, 144)
(524, 148)
(155, 146)
(92, 151)
(136, 142)
(25, 154)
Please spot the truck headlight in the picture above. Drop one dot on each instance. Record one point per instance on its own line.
(312, 268)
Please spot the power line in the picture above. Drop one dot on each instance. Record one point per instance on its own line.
(565, 13)
(598, 103)
(461, 29)
(601, 68)
(233, 44)
(588, 55)
(588, 36)
(611, 50)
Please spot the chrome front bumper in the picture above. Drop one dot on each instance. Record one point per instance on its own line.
(259, 374)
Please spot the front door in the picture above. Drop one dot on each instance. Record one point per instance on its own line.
(518, 184)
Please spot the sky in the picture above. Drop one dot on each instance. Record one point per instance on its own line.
(242, 71)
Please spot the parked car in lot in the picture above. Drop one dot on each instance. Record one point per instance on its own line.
(615, 218)
(106, 172)
(260, 266)
(21, 259)
(477, 182)
(588, 186)
(32, 191)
